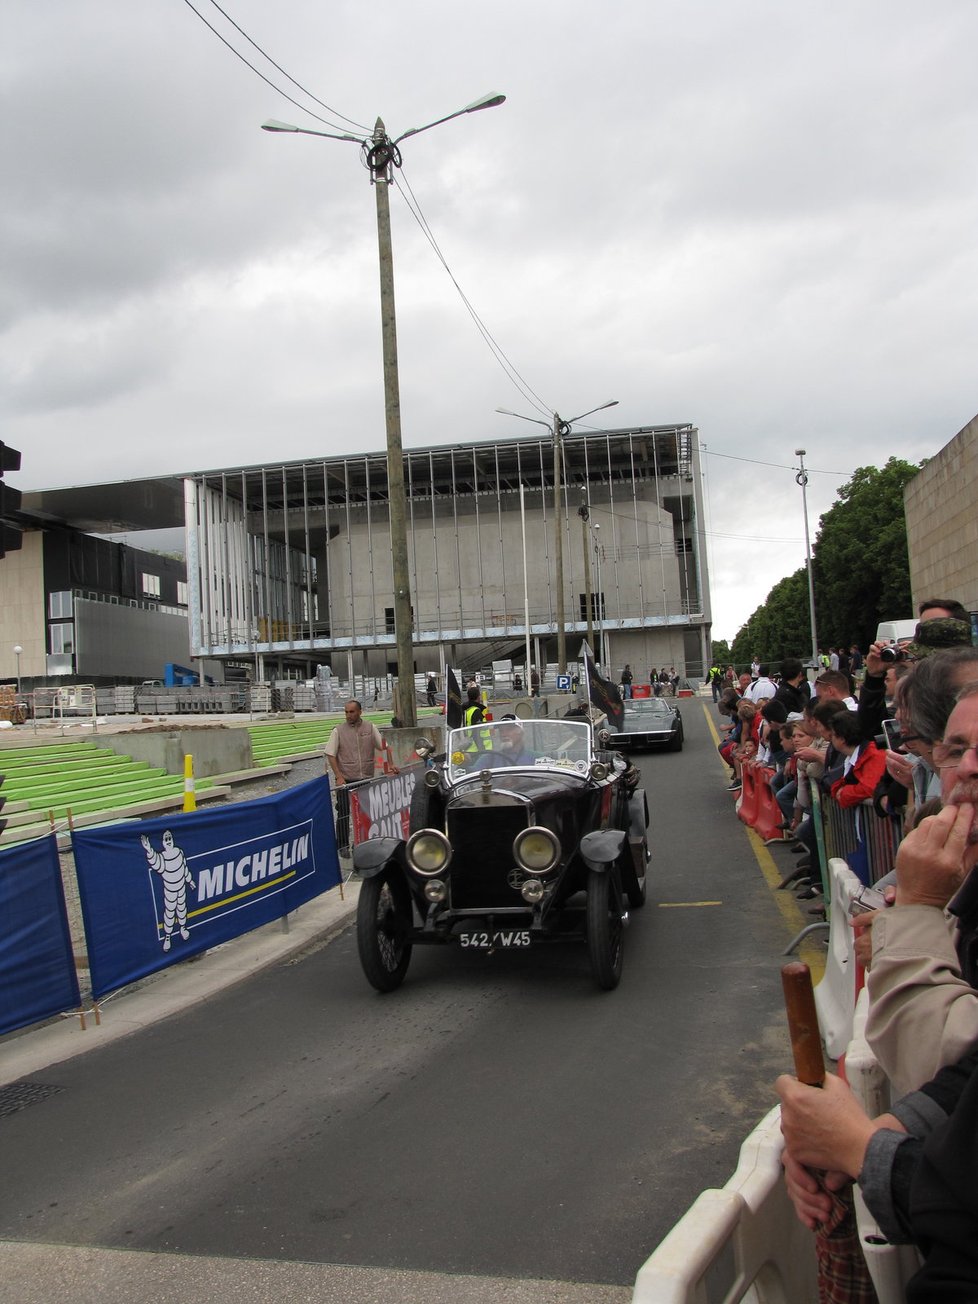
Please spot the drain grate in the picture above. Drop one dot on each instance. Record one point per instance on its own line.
(21, 1095)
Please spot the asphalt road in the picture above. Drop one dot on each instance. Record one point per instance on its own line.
(497, 1116)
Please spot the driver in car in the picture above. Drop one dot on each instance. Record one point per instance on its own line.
(508, 746)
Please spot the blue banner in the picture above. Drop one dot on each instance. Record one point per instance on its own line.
(37, 968)
(162, 890)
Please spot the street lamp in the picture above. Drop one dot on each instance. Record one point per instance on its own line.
(584, 511)
(600, 650)
(560, 428)
(17, 651)
(381, 155)
(802, 479)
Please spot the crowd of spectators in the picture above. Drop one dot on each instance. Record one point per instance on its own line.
(892, 736)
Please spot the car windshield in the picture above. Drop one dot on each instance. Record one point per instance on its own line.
(504, 744)
(648, 706)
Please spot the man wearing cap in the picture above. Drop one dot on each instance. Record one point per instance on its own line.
(507, 746)
(943, 624)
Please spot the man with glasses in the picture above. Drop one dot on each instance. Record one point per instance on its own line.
(924, 969)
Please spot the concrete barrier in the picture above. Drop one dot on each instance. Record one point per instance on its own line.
(216, 749)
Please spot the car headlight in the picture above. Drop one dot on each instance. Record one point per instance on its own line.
(598, 770)
(536, 850)
(532, 891)
(431, 778)
(435, 890)
(428, 852)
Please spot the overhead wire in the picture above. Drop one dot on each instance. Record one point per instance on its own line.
(268, 82)
(509, 369)
(298, 85)
(511, 372)
(777, 466)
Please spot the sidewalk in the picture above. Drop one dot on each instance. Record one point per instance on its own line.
(176, 989)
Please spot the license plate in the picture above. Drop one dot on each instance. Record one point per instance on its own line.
(490, 941)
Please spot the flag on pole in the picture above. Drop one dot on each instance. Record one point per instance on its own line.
(453, 700)
(601, 692)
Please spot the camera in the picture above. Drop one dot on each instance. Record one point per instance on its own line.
(865, 900)
(893, 653)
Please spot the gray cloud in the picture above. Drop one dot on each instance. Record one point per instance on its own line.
(755, 217)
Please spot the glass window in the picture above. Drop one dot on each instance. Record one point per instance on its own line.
(151, 585)
(62, 639)
(60, 605)
(182, 592)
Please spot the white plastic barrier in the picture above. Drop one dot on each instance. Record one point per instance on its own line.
(835, 995)
(891, 1266)
(739, 1243)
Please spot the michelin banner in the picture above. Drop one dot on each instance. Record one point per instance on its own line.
(37, 968)
(162, 890)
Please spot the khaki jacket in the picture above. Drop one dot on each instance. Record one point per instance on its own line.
(922, 1012)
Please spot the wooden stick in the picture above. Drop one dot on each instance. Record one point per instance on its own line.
(806, 1041)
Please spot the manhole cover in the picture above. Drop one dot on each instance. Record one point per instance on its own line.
(21, 1095)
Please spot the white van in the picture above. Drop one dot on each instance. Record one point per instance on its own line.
(895, 631)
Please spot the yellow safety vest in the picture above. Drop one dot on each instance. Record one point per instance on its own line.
(480, 740)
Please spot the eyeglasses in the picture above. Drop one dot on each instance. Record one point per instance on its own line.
(947, 756)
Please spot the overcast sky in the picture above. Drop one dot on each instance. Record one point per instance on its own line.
(754, 216)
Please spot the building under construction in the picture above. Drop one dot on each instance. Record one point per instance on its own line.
(292, 562)
(289, 565)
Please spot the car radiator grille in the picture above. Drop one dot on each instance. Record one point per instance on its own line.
(482, 855)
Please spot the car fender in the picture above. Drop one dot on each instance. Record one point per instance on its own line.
(638, 813)
(600, 849)
(373, 856)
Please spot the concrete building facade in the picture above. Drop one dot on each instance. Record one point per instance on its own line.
(942, 522)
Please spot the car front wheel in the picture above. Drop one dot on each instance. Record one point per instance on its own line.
(383, 924)
(605, 916)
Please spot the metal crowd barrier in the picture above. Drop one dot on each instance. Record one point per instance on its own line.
(879, 837)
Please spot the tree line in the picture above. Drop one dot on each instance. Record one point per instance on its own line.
(860, 571)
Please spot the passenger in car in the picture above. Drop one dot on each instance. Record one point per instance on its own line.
(508, 748)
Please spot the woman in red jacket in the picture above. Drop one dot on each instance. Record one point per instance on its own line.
(865, 764)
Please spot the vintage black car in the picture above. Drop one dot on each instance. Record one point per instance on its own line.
(521, 833)
(649, 722)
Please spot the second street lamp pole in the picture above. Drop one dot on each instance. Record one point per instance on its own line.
(584, 512)
(802, 479)
(380, 162)
(559, 429)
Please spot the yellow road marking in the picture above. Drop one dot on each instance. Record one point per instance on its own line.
(678, 905)
(813, 956)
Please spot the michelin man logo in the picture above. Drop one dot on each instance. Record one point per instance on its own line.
(171, 865)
